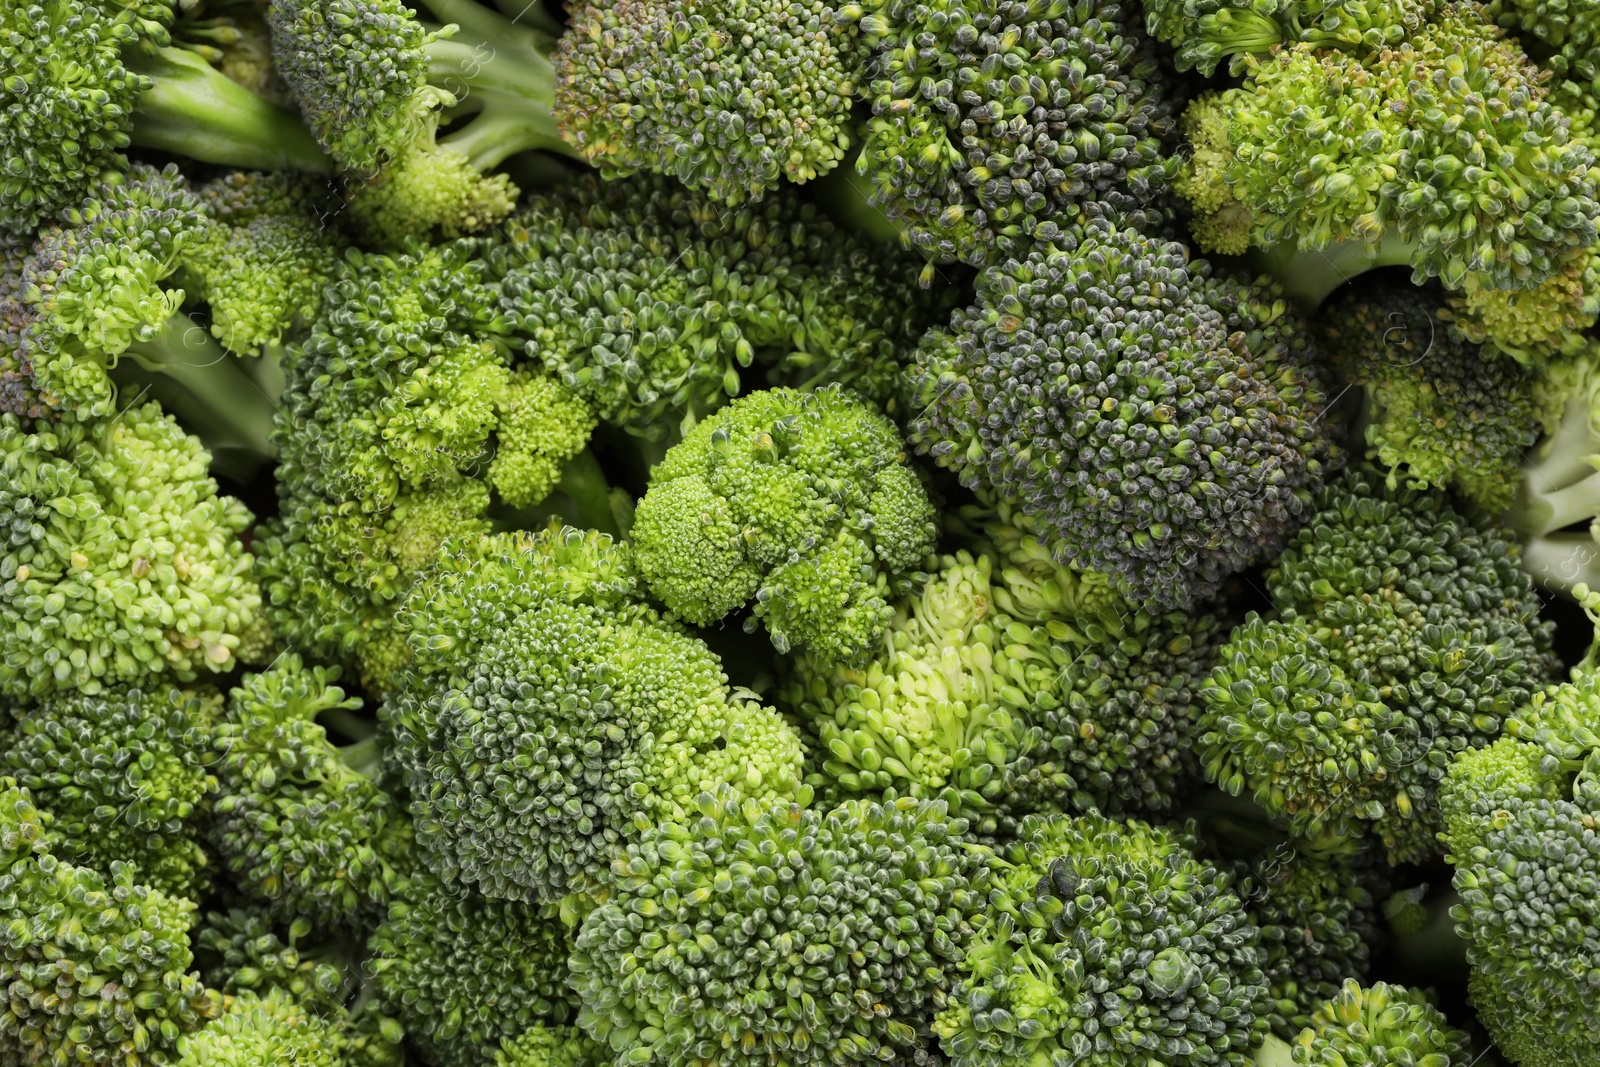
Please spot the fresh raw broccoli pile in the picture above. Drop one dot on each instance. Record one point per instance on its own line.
(799, 533)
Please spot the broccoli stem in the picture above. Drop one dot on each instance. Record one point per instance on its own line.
(1562, 487)
(365, 757)
(199, 383)
(1562, 560)
(1308, 277)
(583, 497)
(195, 110)
(1436, 949)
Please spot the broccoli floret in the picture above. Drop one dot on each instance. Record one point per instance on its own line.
(1402, 636)
(84, 79)
(259, 1030)
(711, 946)
(1203, 33)
(648, 299)
(1073, 961)
(297, 821)
(1381, 1023)
(728, 97)
(374, 83)
(551, 715)
(1442, 150)
(95, 967)
(465, 973)
(1440, 412)
(240, 952)
(993, 120)
(801, 502)
(1537, 325)
(550, 1046)
(1162, 425)
(124, 777)
(122, 564)
(401, 410)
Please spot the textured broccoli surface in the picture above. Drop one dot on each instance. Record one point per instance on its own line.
(800, 501)
(550, 1046)
(1207, 33)
(257, 1030)
(1160, 423)
(1381, 1023)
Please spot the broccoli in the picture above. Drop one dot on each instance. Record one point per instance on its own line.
(95, 967)
(1162, 425)
(550, 715)
(1440, 411)
(759, 932)
(122, 563)
(648, 300)
(464, 973)
(259, 1030)
(85, 78)
(800, 501)
(297, 822)
(1204, 33)
(1380, 1023)
(125, 779)
(1519, 829)
(1402, 635)
(239, 952)
(1441, 150)
(729, 97)
(994, 120)
(1105, 942)
(549, 1046)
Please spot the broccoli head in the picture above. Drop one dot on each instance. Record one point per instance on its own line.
(759, 932)
(256, 1030)
(122, 565)
(551, 715)
(125, 778)
(550, 1046)
(1381, 1023)
(1205, 33)
(1162, 425)
(241, 952)
(992, 120)
(1105, 942)
(1403, 635)
(728, 97)
(801, 501)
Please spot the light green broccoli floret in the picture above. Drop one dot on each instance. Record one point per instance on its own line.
(1207, 32)
(801, 502)
(550, 1046)
(95, 967)
(123, 565)
(1381, 1023)
(296, 820)
(124, 776)
(543, 424)
(241, 953)
(253, 1031)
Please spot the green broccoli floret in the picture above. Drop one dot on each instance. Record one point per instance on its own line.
(260, 1030)
(1443, 151)
(1162, 425)
(550, 1046)
(297, 821)
(1536, 325)
(1204, 33)
(375, 82)
(465, 973)
(240, 952)
(1074, 960)
(1440, 412)
(400, 413)
(1381, 1023)
(95, 967)
(764, 933)
(993, 120)
(801, 502)
(84, 79)
(124, 776)
(1403, 635)
(122, 565)
(550, 715)
(728, 97)
(648, 299)
(1520, 829)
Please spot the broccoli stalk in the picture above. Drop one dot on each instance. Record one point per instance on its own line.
(1559, 499)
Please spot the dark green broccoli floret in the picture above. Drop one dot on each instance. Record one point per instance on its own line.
(648, 300)
(1442, 150)
(730, 97)
(124, 776)
(1381, 1023)
(1105, 942)
(464, 973)
(85, 78)
(297, 821)
(764, 933)
(95, 968)
(801, 502)
(253, 1031)
(1520, 822)
(122, 565)
(1161, 425)
(992, 120)
(550, 1046)
(550, 715)
(1439, 411)
(1403, 636)
(240, 952)
(1204, 33)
